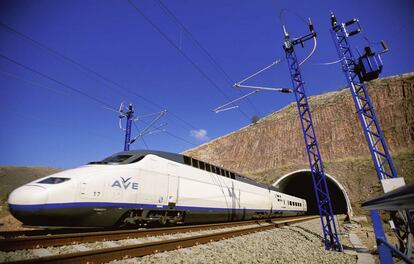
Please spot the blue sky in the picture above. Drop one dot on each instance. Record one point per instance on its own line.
(46, 123)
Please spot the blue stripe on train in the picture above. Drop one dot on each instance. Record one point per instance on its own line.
(37, 207)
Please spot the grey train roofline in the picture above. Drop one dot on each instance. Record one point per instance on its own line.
(181, 159)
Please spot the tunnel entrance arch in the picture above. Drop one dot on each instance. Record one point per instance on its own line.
(299, 183)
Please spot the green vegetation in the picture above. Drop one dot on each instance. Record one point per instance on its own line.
(255, 119)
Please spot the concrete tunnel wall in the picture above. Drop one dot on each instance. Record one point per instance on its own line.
(299, 183)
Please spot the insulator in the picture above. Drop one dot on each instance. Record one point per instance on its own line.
(333, 20)
(311, 28)
(350, 22)
(285, 90)
(350, 34)
(384, 45)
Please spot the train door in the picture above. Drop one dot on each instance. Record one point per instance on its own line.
(233, 197)
(173, 183)
(90, 189)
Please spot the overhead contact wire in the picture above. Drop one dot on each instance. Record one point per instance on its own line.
(182, 53)
(58, 82)
(89, 70)
(209, 56)
(77, 91)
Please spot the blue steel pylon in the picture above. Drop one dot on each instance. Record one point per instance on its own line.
(331, 239)
(370, 125)
(129, 115)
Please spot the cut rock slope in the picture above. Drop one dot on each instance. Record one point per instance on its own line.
(274, 145)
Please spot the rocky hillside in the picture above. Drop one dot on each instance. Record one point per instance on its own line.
(274, 145)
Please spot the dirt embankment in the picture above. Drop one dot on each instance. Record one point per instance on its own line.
(12, 177)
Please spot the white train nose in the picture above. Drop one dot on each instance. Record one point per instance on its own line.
(28, 195)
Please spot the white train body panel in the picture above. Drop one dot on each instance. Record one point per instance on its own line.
(152, 189)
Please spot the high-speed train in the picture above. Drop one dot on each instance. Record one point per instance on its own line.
(141, 187)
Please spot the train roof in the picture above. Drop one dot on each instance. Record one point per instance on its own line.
(185, 160)
(166, 155)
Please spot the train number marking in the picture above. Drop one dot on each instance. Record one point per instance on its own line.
(125, 184)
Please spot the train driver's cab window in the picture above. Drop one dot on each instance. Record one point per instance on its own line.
(53, 180)
(136, 159)
(119, 159)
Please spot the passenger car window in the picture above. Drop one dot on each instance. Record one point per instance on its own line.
(187, 160)
(195, 163)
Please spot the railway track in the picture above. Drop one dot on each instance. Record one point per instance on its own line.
(44, 232)
(76, 231)
(32, 242)
(137, 250)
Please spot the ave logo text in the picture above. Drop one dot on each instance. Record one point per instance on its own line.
(125, 184)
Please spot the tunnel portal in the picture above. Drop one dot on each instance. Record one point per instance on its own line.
(299, 184)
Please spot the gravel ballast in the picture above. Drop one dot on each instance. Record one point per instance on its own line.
(299, 243)
(42, 252)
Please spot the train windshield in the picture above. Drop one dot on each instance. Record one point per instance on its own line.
(119, 159)
(53, 180)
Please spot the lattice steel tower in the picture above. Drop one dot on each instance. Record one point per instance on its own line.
(366, 67)
(331, 239)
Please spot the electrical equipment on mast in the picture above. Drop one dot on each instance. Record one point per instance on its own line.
(149, 129)
(128, 114)
(367, 67)
(331, 239)
(320, 185)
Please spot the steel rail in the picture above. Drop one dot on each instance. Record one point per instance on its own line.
(32, 242)
(143, 249)
(64, 230)
(43, 232)
(60, 231)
